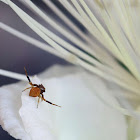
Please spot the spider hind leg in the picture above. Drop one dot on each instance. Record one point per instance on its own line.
(48, 101)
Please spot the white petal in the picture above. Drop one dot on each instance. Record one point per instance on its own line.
(82, 116)
(33, 118)
(10, 103)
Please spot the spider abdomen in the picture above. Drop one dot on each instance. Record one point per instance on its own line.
(34, 92)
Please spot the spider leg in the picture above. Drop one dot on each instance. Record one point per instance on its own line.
(28, 77)
(27, 88)
(48, 101)
(38, 100)
(42, 97)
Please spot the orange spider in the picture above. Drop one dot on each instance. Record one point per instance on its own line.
(37, 90)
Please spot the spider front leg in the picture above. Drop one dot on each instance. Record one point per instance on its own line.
(29, 79)
(48, 101)
(27, 88)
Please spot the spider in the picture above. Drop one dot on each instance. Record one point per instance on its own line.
(37, 90)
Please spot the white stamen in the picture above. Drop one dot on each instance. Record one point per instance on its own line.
(29, 39)
(13, 75)
(40, 29)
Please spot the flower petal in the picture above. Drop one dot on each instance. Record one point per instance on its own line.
(33, 118)
(82, 116)
(10, 103)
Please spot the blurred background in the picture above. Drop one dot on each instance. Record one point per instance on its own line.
(16, 53)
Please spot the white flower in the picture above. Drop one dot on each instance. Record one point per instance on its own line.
(108, 47)
(82, 115)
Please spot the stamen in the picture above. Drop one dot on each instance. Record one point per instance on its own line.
(13, 75)
(29, 39)
(99, 70)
